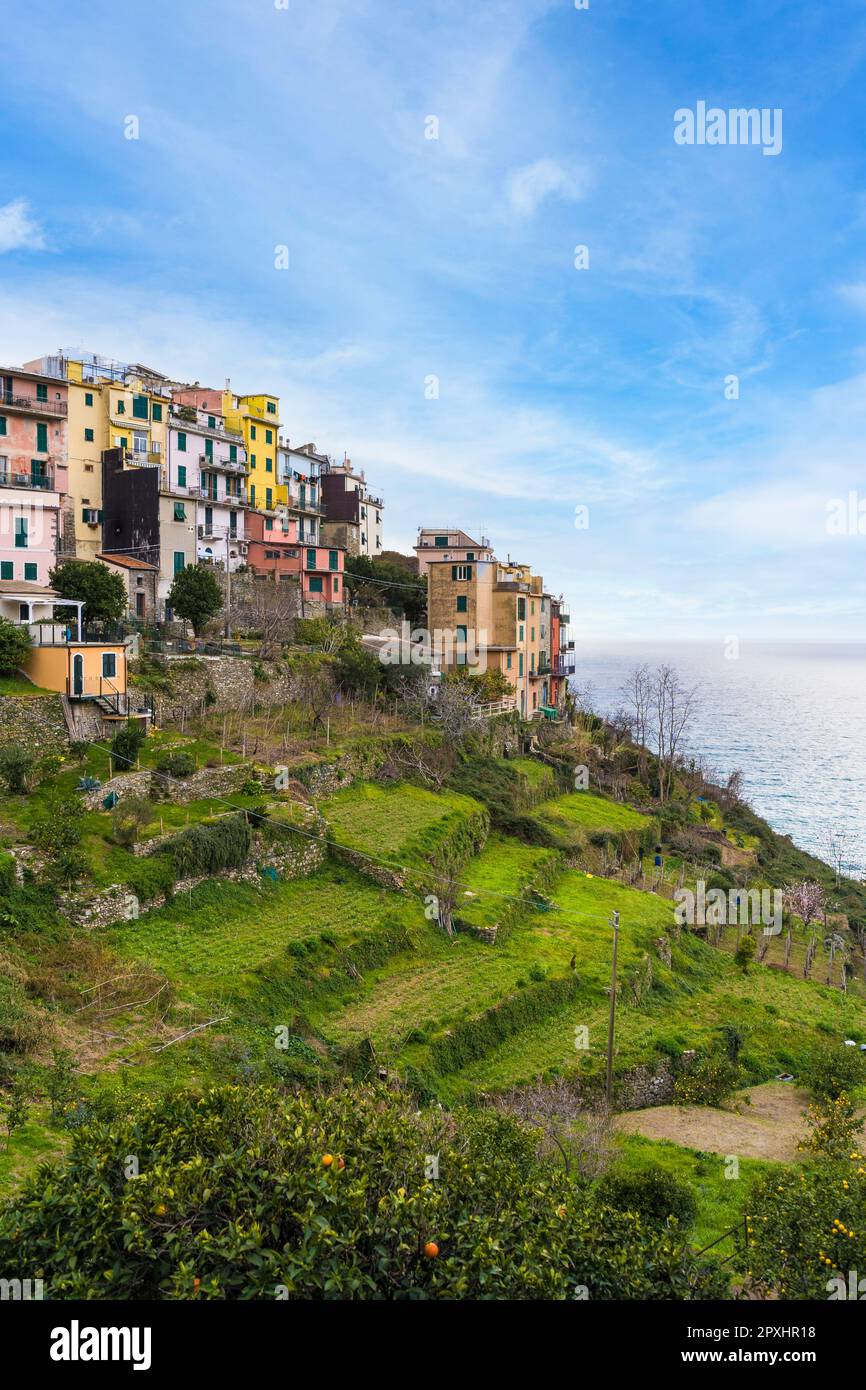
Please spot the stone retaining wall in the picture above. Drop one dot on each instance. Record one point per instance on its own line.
(35, 721)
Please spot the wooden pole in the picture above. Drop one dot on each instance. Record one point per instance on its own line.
(614, 922)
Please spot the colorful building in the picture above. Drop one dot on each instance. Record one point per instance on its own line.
(444, 543)
(352, 513)
(33, 473)
(257, 420)
(207, 463)
(62, 657)
(298, 470)
(274, 550)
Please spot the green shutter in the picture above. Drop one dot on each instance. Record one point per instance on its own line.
(179, 561)
(6, 569)
(139, 407)
(2, 424)
(181, 442)
(311, 559)
(268, 499)
(233, 453)
(211, 422)
(88, 436)
(88, 398)
(453, 571)
(208, 448)
(333, 562)
(20, 533)
(42, 439)
(461, 603)
(42, 393)
(156, 413)
(31, 573)
(181, 475)
(315, 586)
(179, 511)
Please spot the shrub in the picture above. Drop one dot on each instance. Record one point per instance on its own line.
(807, 1228)
(15, 643)
(654, 1193)
(17, 765)
(126, 744)
(208, 849)
(834, 1127)
(745, 953)
(244, 1165)
(834, 1070)
(708, 1081)
(129, 818)
(177, 763)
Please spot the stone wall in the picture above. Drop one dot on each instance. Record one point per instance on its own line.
(35, 721)
(208, 781)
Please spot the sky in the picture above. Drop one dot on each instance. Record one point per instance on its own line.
(663, 424)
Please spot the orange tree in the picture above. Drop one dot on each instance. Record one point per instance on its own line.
(244, 1193)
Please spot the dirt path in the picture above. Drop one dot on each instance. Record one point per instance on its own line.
(768, 1127)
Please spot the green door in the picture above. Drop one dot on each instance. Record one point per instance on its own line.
(78, 674)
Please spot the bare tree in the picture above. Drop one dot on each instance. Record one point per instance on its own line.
(838, 845)
(455, 710)
(805, 898)
(636, 690)
(269, 608)
(672, 708)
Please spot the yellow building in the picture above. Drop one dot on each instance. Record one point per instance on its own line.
(257, 418)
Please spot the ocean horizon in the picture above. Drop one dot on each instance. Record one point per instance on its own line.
(790, 715)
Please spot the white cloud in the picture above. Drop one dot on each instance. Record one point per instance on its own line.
(530, 185)
(18, 230)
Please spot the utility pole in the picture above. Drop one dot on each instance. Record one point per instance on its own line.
(614, 922)
(228, 623)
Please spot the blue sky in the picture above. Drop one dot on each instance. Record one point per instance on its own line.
(412, 258)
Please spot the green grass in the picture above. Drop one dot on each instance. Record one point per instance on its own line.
(13, 683)
(34, 1143)
(721, 1201)
(207, 938)
(393, 823)
(586, 812)
(502, 871)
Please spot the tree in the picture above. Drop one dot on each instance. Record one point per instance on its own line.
(455, 709)
(15, 643)
(268, 608)
(102, 592)
(129, 818)
(195, 596)
(17, 765)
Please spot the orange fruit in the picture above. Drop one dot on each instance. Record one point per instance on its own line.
(341, 1163)
(327, 1160)
(431, 1250)
(161, 1209)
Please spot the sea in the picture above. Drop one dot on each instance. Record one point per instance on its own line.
(792, 716)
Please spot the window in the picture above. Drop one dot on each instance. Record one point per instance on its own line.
(121, 408)
(252, 460)
(269, 523)
(311, 559)
(461, 603)
(179, 511)
(6, 571)
(24, 612)
(272, 409)
(88, 436)
(470, 555)
(208, 448)
(2, 424)
(336, 585)
(181, 442)
(520, 663)
(211, 422)
(179, 562)
(333, 560)
(139, 441)
(88, 398)
(252, 494)
(181, 475)
(532, 634)
(461, 571)
(268, 499)
(31, 573)
(441, 541)
(139, 407)
(233, 523)
(460, 633)
(508, 661)
(315, 585)
(252, 431)
(156, 413)
(269, 436)
(233, 453)
(20, 533)
(269, 465)
(109, 663)
(521, 608)
(520, 633)
(42, 393)
(122, 441)
(42, 439)
(208, 519)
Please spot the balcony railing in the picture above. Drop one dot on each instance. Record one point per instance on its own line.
(32, 404)
(211, 461)
(43, 481)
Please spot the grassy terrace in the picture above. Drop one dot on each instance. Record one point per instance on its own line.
(206, 939)
(578, 814)
(448, 980)
(13, 683)
(399, 824)
(504, 868)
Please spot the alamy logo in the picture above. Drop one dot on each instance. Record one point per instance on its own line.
(77, 1343)
(739, 126)
(20, 1290)
(854, 1289)
(718, 908)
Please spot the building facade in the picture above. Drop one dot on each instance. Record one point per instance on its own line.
(442, 543)
(33, 473)
(206, 467)
(352, 514)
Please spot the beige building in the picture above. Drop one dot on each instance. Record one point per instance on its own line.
(487, 615)
(442, 543)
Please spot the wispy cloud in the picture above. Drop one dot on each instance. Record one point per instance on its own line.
(18, 230)
(529, 186)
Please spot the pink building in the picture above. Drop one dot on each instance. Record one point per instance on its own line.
(274, 550)
(33, 473)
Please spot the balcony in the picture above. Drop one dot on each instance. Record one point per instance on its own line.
(564, 666)
(31, 405)
(231, 465)
(141, 459)
(44, 481)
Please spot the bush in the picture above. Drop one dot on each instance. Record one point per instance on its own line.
(15, 643)
(708, 1081)
(126, 744)
(807, 1228)
(745, 953)
(129, 818)
(176, 764)
(654, 1193)
(208, 849)
(834, 1070)
(17, 765)
(234, 1201)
